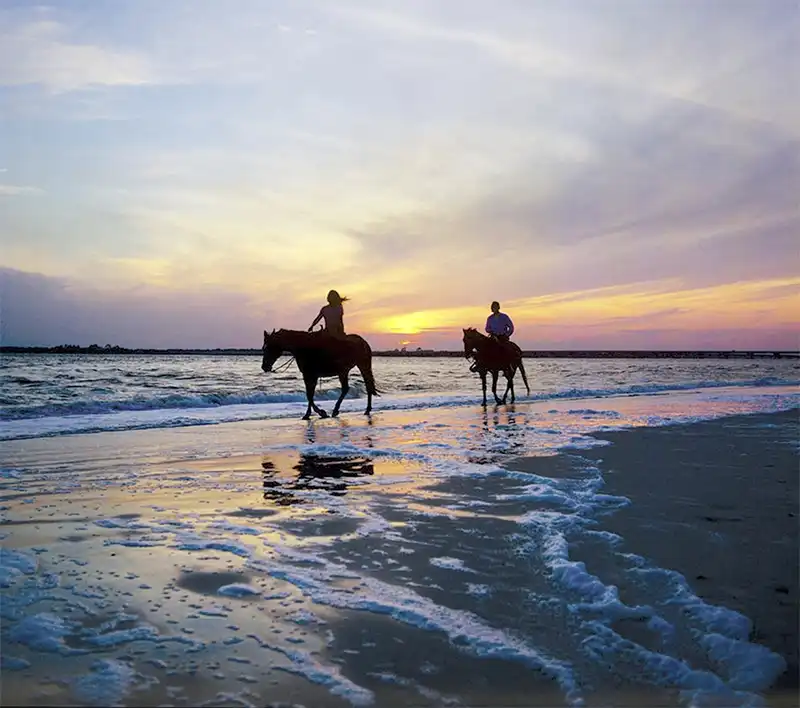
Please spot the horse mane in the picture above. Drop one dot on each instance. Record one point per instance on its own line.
(291, 335)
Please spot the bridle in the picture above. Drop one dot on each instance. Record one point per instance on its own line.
(283, 366)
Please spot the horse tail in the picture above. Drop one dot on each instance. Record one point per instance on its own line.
(365, 366)
(524, 376)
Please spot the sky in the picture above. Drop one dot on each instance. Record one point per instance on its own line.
(617, 173)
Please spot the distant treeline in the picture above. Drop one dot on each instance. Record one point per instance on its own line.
(533, 354)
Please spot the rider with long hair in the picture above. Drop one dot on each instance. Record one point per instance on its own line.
(333, 315)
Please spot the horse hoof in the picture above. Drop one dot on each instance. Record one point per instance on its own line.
(306, 417)
(323, 414)
(335, 414)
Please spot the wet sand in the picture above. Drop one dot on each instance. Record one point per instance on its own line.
(718, 502)
(370, 579)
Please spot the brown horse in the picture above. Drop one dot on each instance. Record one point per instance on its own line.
(318, 354)
(493, 356)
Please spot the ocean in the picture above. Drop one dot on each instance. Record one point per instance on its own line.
(50, 394)
(174, 534)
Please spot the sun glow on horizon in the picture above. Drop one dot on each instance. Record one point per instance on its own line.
(732, 305)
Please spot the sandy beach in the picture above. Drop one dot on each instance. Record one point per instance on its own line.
(433, 557)
(718, 502)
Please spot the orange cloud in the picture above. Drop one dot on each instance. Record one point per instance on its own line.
(752, 304)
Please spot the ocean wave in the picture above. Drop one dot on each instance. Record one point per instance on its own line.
(211, 409)
(99, 406)
(410, 397)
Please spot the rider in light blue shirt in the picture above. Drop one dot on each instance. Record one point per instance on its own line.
(499, 325)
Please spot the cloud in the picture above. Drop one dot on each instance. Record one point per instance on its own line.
(690, 192)
(701, 52)
(40, 51)
(486, 151)
(15, 190)
(749, 314)
(41, 310)
(45, 311)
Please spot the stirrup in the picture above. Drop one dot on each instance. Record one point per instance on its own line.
(474, 367)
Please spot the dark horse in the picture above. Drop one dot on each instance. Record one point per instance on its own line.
(491, 355)
(318, 354)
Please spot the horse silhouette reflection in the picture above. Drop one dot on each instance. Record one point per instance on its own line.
(500, 434)
(333, 475)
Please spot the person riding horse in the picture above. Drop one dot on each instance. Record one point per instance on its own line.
(500, 328)
(335, 338)
(329, 351)
(333, 314)
(499, 325)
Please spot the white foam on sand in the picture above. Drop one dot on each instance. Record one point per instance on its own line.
(739, 666)
(43, 631)
(108, 682)
(198, 543)
(329, 676)
(18, 560)
(748, 667)
(238, 590)
(467, 631)
(450, 564)
(13, 663)
(124, 636)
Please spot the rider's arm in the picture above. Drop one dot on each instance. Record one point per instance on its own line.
(316, 319)
(488, 320)
(510, 326)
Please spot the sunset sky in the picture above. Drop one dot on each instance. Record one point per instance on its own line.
(617, 173)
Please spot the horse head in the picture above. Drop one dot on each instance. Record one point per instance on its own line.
(471, 336)
(271, 350)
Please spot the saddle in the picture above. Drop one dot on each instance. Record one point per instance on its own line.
(339, 346)
(503, 350)
(505, 347)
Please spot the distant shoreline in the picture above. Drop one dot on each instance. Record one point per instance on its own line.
(430, 353)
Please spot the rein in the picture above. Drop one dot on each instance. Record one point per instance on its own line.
(283, 367)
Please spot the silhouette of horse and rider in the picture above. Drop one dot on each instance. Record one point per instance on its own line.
(494, 352)
(331, 352)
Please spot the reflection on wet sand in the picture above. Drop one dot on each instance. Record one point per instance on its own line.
(501, 432)
(315, 473)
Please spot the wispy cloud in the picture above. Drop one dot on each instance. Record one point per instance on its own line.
(606, 312)
(723, 62)
(41, 52)
(15, 190)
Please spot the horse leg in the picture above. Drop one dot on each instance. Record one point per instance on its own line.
(494, 387)
(483, 385)
(345, 388)
(510, 385)
(311, 385)
(309, 395)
